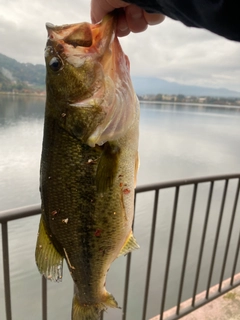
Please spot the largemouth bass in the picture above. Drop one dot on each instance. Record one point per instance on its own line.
(89, 161)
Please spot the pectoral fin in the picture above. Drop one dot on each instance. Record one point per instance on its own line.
(48, 260)
(107, 167)
(129, 245)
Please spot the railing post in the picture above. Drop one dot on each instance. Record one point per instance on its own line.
(199, 263)
(154, 219)
(170, 243)
(217, 237)
(235, 261)
(5, 252)
(128, 265)
(229, 235)
(189, 230)
(44, 298)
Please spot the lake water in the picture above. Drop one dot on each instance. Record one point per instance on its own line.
(176, 141)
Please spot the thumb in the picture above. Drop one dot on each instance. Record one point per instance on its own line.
(98, 11)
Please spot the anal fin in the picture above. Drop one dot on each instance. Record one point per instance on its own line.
(110, 301)
(48, 260)
(129, 245)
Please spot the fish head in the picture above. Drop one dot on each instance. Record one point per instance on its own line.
(88, 81)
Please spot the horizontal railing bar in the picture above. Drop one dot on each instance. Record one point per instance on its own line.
(18, 213)
(182, 182)
(24, 212)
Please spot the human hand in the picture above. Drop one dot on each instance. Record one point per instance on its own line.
(131, 18)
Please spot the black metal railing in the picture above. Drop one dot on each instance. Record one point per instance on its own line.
(177, 186)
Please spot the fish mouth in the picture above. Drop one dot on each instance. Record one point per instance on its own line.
(83, 38)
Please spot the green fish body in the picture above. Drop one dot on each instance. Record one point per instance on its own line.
(89, 161)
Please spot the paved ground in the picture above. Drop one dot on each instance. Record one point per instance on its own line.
(226, 307)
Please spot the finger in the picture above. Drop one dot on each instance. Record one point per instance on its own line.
(123, 33)
(153, 18)
(122, 26)
(97, 11)
(99, 8)
(135, 19)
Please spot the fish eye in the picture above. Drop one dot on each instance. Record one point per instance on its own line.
(55, 64)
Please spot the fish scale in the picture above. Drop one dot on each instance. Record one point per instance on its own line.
(89, 162)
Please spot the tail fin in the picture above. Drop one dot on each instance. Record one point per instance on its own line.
(91, 311)
(85, 312)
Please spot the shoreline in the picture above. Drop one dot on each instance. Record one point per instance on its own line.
(226, 106)
(196, 104)
(2, 93)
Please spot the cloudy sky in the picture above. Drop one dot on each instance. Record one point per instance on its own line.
(168, 51)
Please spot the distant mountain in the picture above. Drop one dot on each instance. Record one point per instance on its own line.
(145, 86)
(19, 76)
(5, 83)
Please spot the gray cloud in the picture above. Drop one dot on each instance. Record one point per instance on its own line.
(22, 25)
(169, 51)
(190, 56)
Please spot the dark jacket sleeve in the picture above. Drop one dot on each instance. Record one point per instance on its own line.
(219, 16)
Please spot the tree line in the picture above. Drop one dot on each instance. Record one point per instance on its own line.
(190, 99)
